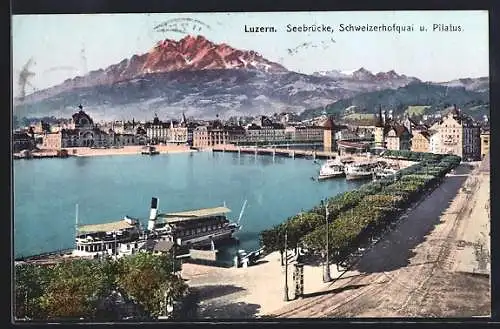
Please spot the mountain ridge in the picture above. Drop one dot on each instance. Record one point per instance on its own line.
(189, 53)
(435, 97)
(202, 78)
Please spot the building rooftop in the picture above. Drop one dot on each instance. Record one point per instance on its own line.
(329, 124)
(351, 144)
(426, 134)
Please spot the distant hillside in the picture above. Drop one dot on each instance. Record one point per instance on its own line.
(477, 84)
(429, 97)
(202, 79)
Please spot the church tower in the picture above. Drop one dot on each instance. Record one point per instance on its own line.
(379, 129)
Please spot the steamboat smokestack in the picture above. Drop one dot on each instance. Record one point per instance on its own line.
(153, 213)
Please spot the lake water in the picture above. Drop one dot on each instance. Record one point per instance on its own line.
(109, 187)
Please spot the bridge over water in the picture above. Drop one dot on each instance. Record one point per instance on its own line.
(275, 151)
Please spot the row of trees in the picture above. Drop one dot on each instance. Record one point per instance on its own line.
(358, 215)
(83, 289)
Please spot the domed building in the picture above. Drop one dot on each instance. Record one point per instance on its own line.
(82, 120)
(85, 132)
(82, 132)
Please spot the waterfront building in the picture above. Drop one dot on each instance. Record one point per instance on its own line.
(390, 134)
(22, 141)
(265, 134)
(304, 133)
(141, 137)
(346, 134)
(459, 135)
(52, 140)
(215, 133)
(157, 131)
(485, 142)
(81, 131)
(125, 139)
(397, 137)
(434, 141)
(212, 135)
(201, 137)
(178, 133)
(420, 141)
(85, 132)
(175, 132)
(236, 134)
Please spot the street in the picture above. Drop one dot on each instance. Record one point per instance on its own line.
(412, 272)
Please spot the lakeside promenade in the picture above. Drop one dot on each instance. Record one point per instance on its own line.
(126, 150)
(434, 263)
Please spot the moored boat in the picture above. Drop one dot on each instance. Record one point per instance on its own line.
(363, 170)
(194, 228)
(113, 238)
(149, 150)
(385, 172)
(186, 229)
(331, 169)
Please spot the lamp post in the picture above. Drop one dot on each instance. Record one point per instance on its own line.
(326, 272)
(173, 259)
(285, 296)
(115, 251)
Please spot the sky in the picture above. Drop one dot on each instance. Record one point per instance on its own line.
(64, 46)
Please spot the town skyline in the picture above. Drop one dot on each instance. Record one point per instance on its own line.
(80, 50)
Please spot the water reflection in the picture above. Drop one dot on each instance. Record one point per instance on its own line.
(82, 161)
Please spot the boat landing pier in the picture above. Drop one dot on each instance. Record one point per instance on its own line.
(292, 153)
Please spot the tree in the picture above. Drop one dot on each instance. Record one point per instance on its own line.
(146, 277)
(74, 291)
(30, 286)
